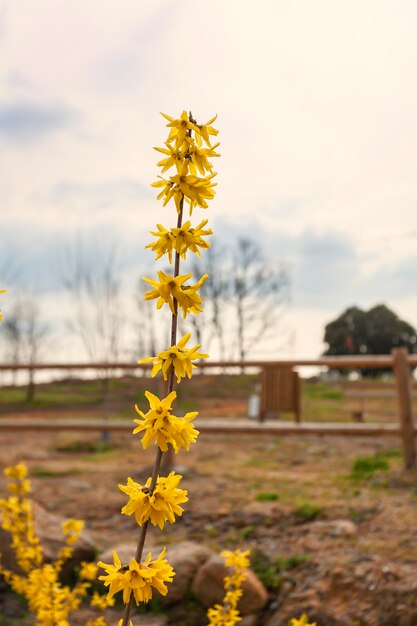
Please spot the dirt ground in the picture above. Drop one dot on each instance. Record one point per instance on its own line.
(337, 544)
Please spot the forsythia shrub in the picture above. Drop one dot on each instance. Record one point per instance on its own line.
(226, 614)
(38, 581)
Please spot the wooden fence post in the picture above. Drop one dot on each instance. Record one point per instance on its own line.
(405, 405)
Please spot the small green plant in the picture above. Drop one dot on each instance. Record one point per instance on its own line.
(293, 561)
(211, 530)
(367, 466)
(322, 391)
(272, 571)
(391, 454)
(91, 447)
(247, 531)
(308, 511)
(267, 496)
(45, 472)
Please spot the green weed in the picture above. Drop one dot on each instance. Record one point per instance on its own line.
(367, 466)
(247, 531)
(92, 447)
(45, 472)
(271, 571)
(266, 496)
(308, 510)
(322, 391)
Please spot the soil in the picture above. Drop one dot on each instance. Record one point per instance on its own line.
(341, 547)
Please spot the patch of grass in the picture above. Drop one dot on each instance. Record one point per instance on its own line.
(47, 395)
(308, 511)
(257, 462)
(267, 496)
(391, 454)
(359, 515)
(211, 530)
(12, 395)
(367, 466)
(247, 531)
(271, 571)
(45, 472)
(92, 447)
(292, 561)
(322, 391)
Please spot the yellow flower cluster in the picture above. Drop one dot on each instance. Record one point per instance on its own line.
(227, 614)
(179, 357)
(16, 517)
(48, 598)
(184, 152)
(180, 240)
(171, 290)
(159, 425)
(160, 506)
(303, 621)
(99, 621)
(138, 579)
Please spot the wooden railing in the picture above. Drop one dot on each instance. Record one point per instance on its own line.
(400, 361)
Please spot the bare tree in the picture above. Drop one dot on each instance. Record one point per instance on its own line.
(92, 279)
(258, 295)
(212, 326)
(93, 283)
(145, 324)
(216, 291)
(25, 334)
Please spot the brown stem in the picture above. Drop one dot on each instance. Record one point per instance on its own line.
(174, 320)
(168, 455)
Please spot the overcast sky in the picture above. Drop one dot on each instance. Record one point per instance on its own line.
(317, 118)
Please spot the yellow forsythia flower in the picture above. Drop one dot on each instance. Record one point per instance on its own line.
(179, 128)
(303, 621)
(138, 578)
(72, 528)
(180, 239)
(159, 425)
(160, 506)
(178, 356)
(98, 621)
(88, 571)
(18, 472)
(101, 602)
(193, 189)
(172, 287)
(227, 614)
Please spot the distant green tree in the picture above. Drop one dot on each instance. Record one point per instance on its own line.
(376, 331)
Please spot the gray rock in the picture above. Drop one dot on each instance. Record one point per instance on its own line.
(335, 528)
(208, 587)
(249, 620)
(185, 557)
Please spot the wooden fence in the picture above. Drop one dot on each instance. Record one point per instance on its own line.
(276, 395)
